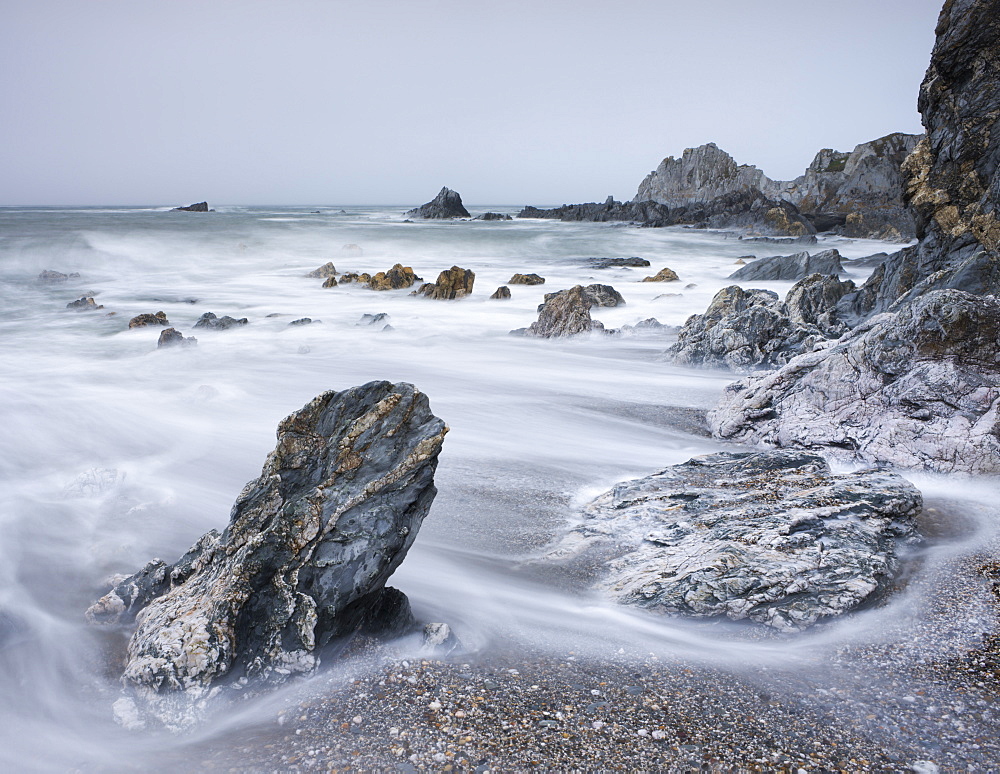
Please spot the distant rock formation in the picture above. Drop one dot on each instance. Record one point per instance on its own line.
(773, 537)
(455, 282)
(447, 204)
(789, 267)
(197, 207)
(645, 213)
(302, 563)
(493, 216)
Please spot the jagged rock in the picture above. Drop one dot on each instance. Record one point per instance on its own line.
(603, 295)
(663, 275)
(526, 279)
(48, 275)
(447, 204)
(330, 282)
(362, 279)
(644, 213)
(373, 319)
(224, 323)
(303, 321)
(397, 278)
(610, 263)
(501, 293)
(493, 216)
(84, 304)
(198, 207)
(171, 337)
(451, 283)
(303, 562)
(142, 320)
(789, 267)
(324, 271)
(916, 388)
(565, 313)
(868, 262)
(772, 537)
(750, 329)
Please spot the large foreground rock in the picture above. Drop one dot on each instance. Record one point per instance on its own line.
(915, 388)
(304, 560)
(772, 537)
(447, 204)
(789, 267)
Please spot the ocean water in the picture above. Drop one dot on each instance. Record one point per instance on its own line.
(114, 452)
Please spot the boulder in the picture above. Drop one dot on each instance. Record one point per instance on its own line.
(198, 207)
(171, 337)
(611, 263)
(455, 282)
(493, 216)
(663, 275)
(330, 282)
(324, 271)
(789, 267)
(211, 322)
(397, 278)
(565, 313)
(915, 388)
(84, 304)
(526, 279)
(773, 537)
(501, 293)
(302, 564)
(447, 204)
(603, 295)
(142, 320)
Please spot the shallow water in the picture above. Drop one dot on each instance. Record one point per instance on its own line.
(115, 452)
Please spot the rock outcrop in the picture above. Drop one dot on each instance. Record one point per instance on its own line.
(614, 263)
(303, 562)
(447, 204)
(916, 388)
(493, 216)
(789, 267)
(142, 320)
(210, 321)
(526, 279)
(197, 207)
(663, 275)
(743, 330)
(455, 282)
(87, 303)
(324, 271)
(49, 275)
(565, 313)
(772, 537)
(330, 282)
(171, 337)
(397, 278)
(501, 293)
(644, 213)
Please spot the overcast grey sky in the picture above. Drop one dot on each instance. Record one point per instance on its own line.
(385, 101)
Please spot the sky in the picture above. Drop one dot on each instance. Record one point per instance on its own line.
(383, 102)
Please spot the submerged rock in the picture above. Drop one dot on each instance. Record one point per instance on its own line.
(915, 388)
(501, 293)
(789, 267)
(397, 278)
(224, 323)
(171, 337)
(87, 303)
(526, 279)
(142, 320)
(303, 321)
(493, 216)
(324, 271)
(772, 537)
(611, 263)
(48, 275)
(381, 318)
(303, 562)
(447, 204)
(455, 282)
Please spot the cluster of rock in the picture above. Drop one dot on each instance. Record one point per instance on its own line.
(86, 303)
(447, 204)
(772, 537)
(50, 275)
(397, 278)
(302, 564)
(452, 283)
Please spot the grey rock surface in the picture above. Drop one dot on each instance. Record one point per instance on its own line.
(612, 263)
(772, 537)
(644, 213)
(447, 204)
(789, 267)
(915, 388)
(564, 313)
(210, 321)
(304, 560)
(325, 271)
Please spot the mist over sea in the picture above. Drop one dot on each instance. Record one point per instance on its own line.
(113, 452)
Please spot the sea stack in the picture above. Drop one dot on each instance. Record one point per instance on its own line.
(447, 204)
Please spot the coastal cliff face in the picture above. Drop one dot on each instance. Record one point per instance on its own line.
(858, 193)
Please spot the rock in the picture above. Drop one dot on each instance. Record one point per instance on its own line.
(439, 640)
(772, 537)
(501, 293)
(171, 337)
(663, 275)
(397, 278)
(789, 267)
(492, 216)
(649, 325)
(610, 263)
(749, 329)
(643, 213)
(362, 279)
(330, 282)
(303, 321)
(210, 321)
(351, 249)
(603, 295)
(142, 320)
(373, 319)
(48, 275)
(455, 282)
(324, 271)
(565, 313)
(198, 207)
(302, 564)
(916, 388)
(447, 204)
(526, 279)
(86, 303)
(808, 239)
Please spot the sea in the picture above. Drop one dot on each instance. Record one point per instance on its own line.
(114, 451)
